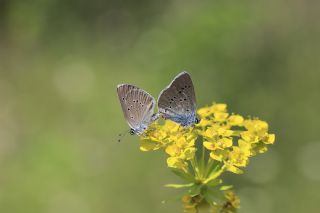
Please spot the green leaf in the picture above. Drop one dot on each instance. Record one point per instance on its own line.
(183, 175)
(179, 186)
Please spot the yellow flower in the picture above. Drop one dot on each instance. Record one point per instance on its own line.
(219, 144)
(219, 107)
(221, 116)
(257, 131)
(215, 108)
(219, 155)
(269, 139)
(235, 120)
(216, 131)
(238, 157)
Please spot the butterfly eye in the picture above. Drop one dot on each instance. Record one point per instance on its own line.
(132, 132)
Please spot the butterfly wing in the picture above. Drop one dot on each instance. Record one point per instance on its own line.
(137, 106)
(177, 101)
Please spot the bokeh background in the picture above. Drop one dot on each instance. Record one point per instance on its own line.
(60, 62)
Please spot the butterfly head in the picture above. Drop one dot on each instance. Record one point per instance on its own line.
(132, 131)
(197, 120)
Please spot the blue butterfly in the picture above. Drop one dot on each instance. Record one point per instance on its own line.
(137, 106)
(177, 102)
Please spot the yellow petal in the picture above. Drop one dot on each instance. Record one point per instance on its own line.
(173, 150)
(204, 112)
(204, 122)
(233, 169)
(224, 142)
(270, 139)
(209, 145)
(218, 155)
(249, 137)
(220, 116)
(219, 107)
(236, 120)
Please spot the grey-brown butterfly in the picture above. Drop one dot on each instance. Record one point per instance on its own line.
(177, 102)
(137, 106)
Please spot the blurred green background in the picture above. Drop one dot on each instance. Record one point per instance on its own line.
(60, 62)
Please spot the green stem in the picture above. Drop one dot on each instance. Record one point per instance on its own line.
(203, 164)
(195, 167)
(209, 167)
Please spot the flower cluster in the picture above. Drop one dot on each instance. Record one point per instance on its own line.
(178, 143)
(231, 139)
(200, 154)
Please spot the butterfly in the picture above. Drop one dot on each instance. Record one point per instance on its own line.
(177, 101)
(137, 106)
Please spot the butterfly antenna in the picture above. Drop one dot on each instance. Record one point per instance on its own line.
(122, 135)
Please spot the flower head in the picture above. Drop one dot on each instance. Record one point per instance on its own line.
(220, 142)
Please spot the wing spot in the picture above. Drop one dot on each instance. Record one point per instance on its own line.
(128, 109)
(180, 92)
(170, 107)
(185, 99)
(171, 99)
(181, 100)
